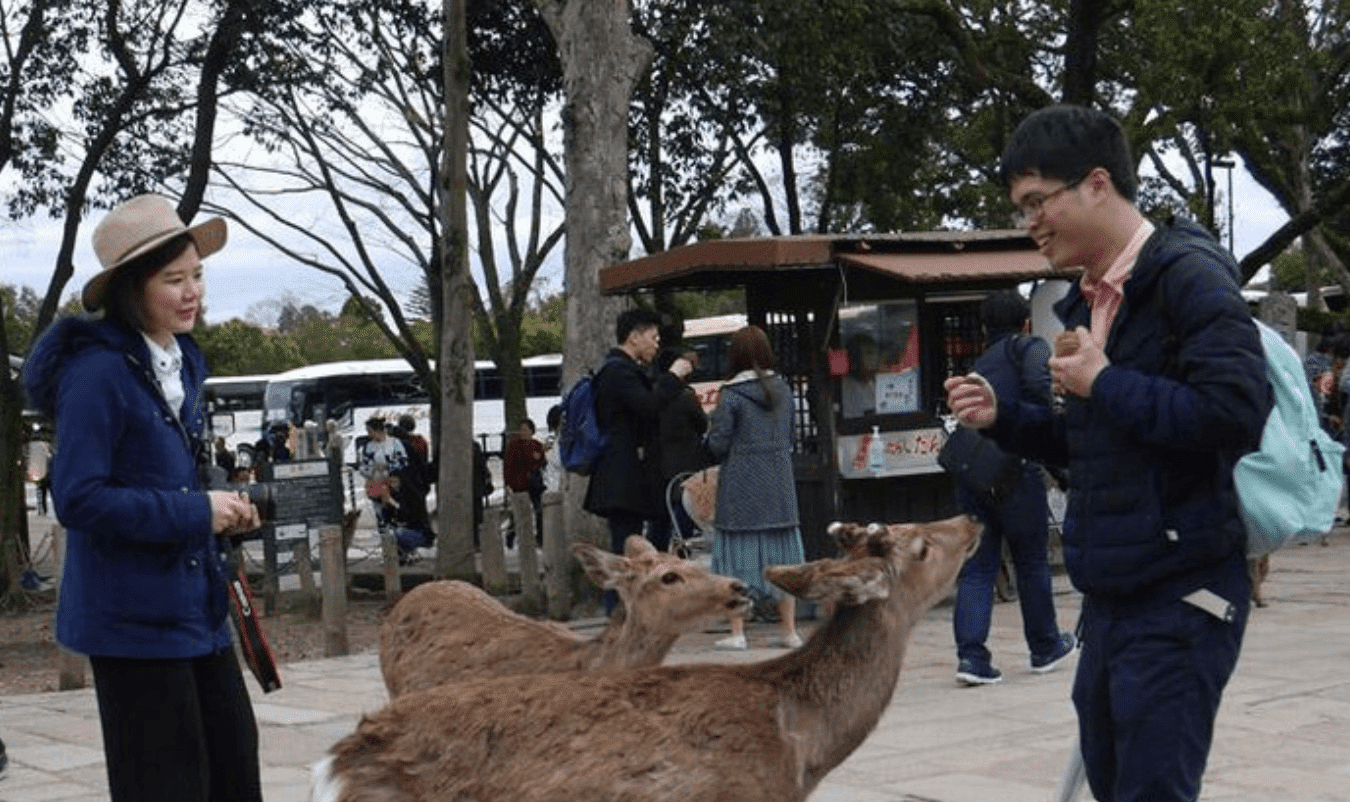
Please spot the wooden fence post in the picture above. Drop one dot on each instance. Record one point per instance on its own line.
(557, 561)
(304, 567)
(522, 509)
(491, 552)
(393, 580)
(69, 665)
(333, 562)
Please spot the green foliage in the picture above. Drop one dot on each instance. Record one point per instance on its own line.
(1289, 271)
(1317, 320)
(238, 348)
(21, 306)
(695, 304)
(542, 328)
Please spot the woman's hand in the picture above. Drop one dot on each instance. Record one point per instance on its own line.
(232, 512)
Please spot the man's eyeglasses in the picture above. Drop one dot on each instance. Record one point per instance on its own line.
(1030, 207)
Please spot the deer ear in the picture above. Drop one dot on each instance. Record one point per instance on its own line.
(849, 582)
(637, 546)
(847, 535)
(795, 579)
(603, 568)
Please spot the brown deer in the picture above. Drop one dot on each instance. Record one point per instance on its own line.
(762, 732)
(451, 631)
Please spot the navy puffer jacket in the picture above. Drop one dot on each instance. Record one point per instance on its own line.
(1152, 512)
(144, 575)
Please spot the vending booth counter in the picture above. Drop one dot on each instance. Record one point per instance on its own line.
(865, 329)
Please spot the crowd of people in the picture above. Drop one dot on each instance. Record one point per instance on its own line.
(1152, 532)
(1330, 385)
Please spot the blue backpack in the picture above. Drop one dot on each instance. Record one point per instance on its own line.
(1289, 488)
(581, 438)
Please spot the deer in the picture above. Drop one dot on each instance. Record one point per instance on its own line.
(449, 631)
(758, 732)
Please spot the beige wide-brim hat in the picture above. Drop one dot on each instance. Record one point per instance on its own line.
(137, 227)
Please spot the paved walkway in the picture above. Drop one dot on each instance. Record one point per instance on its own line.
(1283, 733)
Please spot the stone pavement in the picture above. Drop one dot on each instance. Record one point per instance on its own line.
(1283, 732)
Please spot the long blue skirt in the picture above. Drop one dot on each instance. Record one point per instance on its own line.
(745, 553)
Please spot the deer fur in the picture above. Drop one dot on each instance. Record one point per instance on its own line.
(449, 631)
(762, 732)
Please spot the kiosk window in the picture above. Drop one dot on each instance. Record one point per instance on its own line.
(878, 373)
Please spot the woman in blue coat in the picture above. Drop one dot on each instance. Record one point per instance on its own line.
(143, 590)
(750, 434)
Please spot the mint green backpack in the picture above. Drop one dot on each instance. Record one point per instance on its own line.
(1289, 488)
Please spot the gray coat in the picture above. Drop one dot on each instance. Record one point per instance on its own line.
(752, 439)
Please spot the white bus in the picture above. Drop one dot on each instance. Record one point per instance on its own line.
(710, 338)
(353, 391)
(235, 407)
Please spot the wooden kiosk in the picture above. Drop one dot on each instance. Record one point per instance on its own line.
(865, 329)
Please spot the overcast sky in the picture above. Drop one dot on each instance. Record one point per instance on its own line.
(248, 272)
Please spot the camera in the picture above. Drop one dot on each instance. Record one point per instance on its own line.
(260, 495)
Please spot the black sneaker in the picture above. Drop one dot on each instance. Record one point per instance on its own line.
(4, 759)
(973, 673)
(1043, 664)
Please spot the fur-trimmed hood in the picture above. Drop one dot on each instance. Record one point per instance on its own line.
(51, 354)
(68, 336)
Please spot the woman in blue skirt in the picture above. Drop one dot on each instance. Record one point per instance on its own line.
(750, 434)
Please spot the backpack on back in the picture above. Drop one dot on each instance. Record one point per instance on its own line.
(1289, 488)
(581, 438)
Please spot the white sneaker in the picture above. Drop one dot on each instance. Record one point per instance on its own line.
(735, 643)
(791, 641)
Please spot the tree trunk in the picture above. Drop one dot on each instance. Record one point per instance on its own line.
(1080, 52)
(454, 492)
(13, 510)
(602, 60)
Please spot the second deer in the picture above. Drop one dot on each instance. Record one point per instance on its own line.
(452, 631)
(763, 732)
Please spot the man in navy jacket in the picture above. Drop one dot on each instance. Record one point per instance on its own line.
(1163, 379)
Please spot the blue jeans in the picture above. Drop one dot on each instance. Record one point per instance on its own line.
(1022, 521)
(409, 540)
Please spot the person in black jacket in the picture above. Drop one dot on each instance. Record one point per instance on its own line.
(1163, 377)
(682, 425)
(625, 484)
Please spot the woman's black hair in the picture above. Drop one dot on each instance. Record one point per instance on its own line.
(124, 300)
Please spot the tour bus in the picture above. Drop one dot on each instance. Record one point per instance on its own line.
(353, 391)
(710, 338)
(235, 407)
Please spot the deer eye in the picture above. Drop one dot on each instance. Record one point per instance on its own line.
(670, 578)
